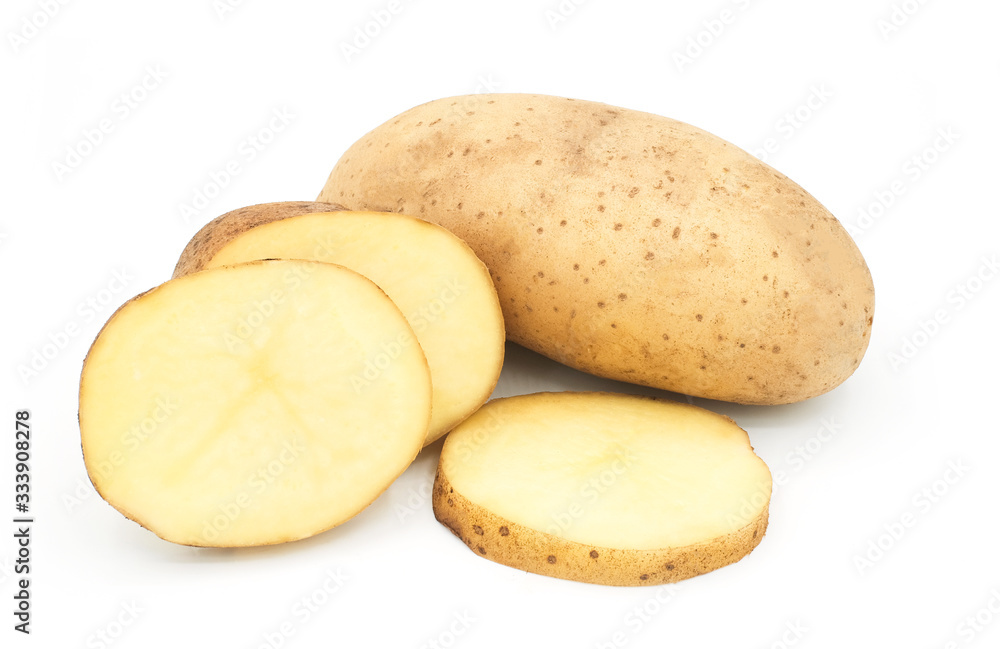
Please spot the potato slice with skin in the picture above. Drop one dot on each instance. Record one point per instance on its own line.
(218, 409)
(603, 488)
(219, 231)
(439, 284)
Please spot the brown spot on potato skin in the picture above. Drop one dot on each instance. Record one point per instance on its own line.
(552, 558)
(656, 223)
(477, 529)
(677, 233)
(618, 226)
(600, 208)
(699, 317)
(650, 255)
(482, 550)
(504, 531)
(594, 554)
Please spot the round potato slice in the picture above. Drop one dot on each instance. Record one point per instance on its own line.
(435, 279)
(603, 488)
(253, 404)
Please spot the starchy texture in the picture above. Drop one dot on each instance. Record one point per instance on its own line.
(603, 488)
(234, 407)
(436, 280)
(629, 245)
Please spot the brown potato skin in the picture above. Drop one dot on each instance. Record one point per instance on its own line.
(629, 245)
(221, 230)
(523, 548)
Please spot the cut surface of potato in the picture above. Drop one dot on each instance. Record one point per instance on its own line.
(603, 488)
(435, 279)
(253, 404)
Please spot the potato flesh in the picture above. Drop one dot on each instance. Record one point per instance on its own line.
(612, 471)
(435, 279)
(222, 408)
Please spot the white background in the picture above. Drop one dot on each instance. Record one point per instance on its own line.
(891, 431)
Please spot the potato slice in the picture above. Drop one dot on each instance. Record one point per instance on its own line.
(238, 406)
(603, 488)
(218, 232)
(436, 280)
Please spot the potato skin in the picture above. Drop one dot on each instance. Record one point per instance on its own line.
(221, 230)
(629, 245)
(523, 548)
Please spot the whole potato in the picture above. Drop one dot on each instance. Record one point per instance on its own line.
(629, 245)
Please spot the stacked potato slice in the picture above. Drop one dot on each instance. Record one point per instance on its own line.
(248, 402)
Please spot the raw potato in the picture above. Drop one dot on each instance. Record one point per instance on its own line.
(630, 245)
(435, 279)
(218, 409)
(220, 231)
(603, 488)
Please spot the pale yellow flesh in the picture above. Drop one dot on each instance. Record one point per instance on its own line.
(222, 408)
(435, 279)
(606, 470)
